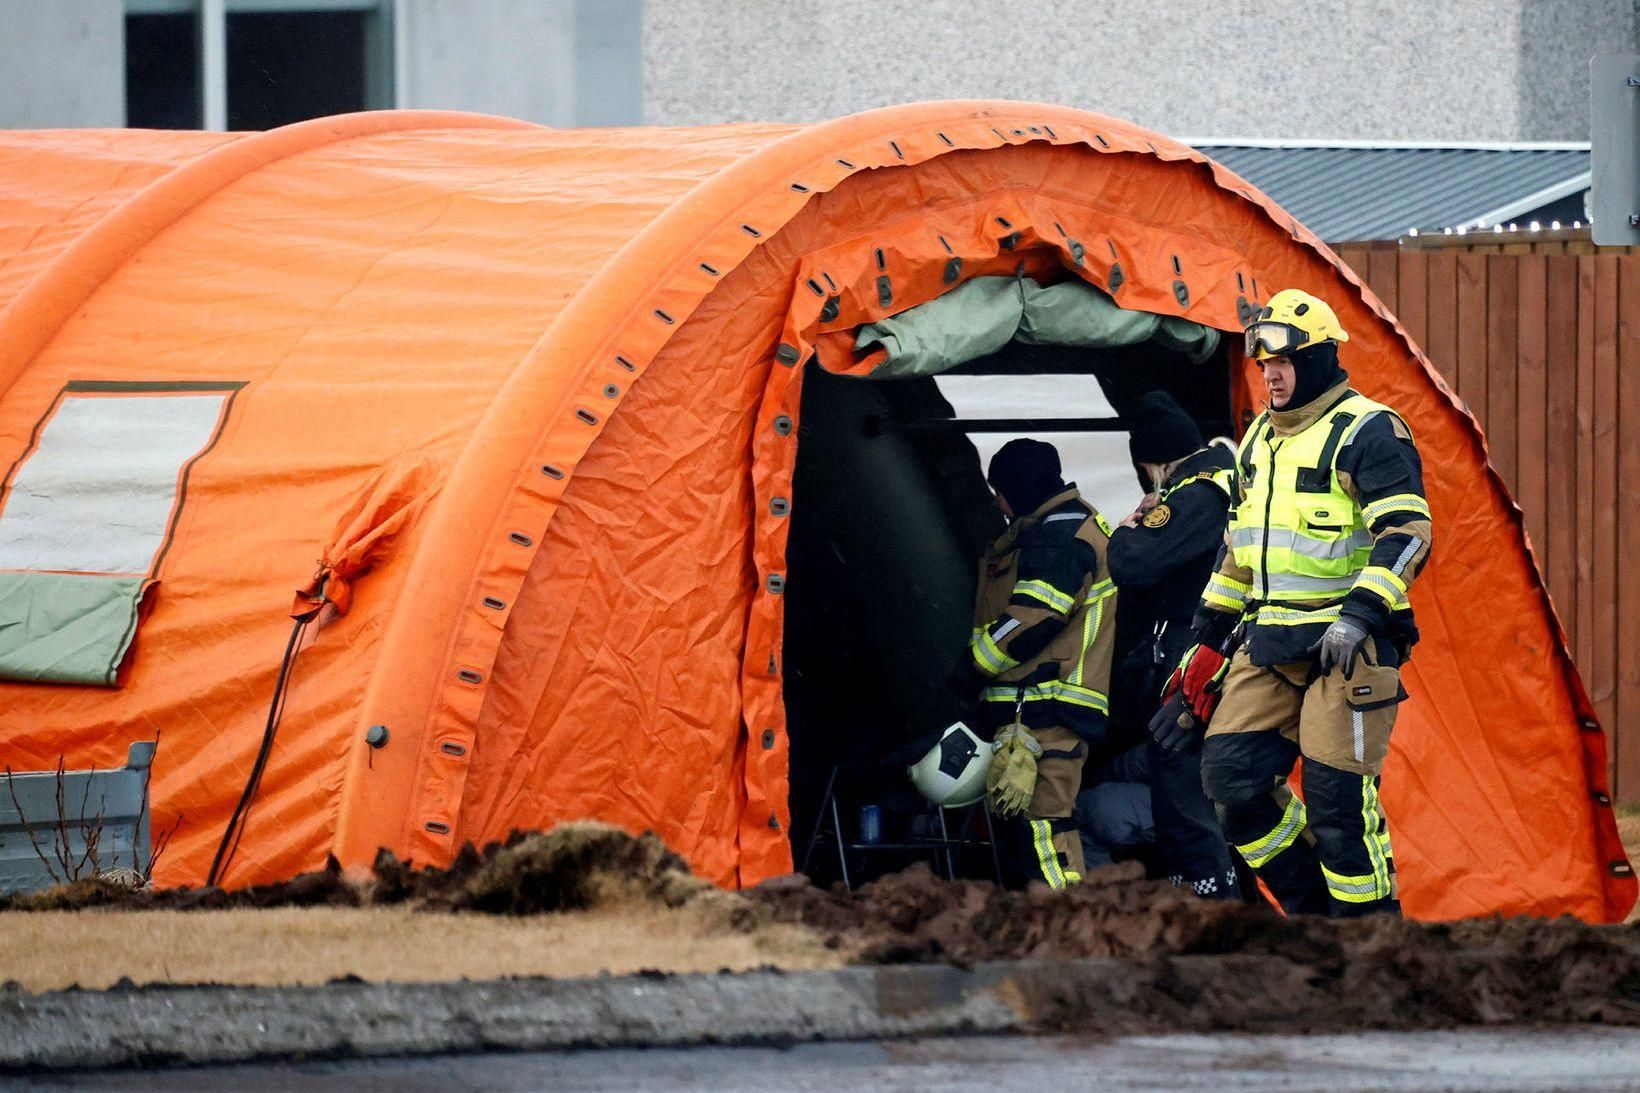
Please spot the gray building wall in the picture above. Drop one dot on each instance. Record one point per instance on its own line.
(62, 63)
(1413, 69)
(557, 62)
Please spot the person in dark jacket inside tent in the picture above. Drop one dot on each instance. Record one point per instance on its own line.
(1160, 558)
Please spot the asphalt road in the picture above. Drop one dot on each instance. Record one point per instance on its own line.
(1488, 1059)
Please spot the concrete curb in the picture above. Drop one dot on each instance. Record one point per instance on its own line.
(200, 1025)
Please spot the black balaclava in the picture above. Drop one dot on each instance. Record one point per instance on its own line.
(1315, 372)
(1026, 473)
(1160, 431)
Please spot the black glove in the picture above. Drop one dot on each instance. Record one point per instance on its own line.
(1340, 645)
(1175, 729)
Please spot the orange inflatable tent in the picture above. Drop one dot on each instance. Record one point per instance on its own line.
(514, 411)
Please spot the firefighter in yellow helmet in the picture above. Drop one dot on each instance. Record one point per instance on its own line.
(1328, 529)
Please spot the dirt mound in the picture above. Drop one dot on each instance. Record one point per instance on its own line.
(573, 867)
(1231, 965)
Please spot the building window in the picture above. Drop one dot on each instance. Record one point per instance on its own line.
(254, 64)
(162, 70)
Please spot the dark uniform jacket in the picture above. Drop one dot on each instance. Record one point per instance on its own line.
(1161, 564)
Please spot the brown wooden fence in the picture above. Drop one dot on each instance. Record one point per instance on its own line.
(1545, 349)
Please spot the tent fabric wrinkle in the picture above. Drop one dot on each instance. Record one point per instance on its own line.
(513, 408)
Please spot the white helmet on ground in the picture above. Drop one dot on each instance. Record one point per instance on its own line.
(952, 774)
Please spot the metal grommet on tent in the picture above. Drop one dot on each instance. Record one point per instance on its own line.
(611, 391)
(885, 290)
(626, 364)
(751, 231)
(376, 736)
(948, 142)
(1181, 293)
(450, 747)
(953, 270)
(768, 739)
(783, 425)
(1009, 241)
(437, 827)
(587, 416)
(664, 317)
(1602, 798)
(521, 539)
(467, 675)
(779, 506)
(776, 584)
(774, 823)
(896, 146)
(1005, 222)
(798, 187)
(1078, 252)
(1116, 276)
(787, 354)
(1244, 310)
(1621, 868)
(833, 305)
(1590, 725)
(814, 287)
(550, 471)
(1100, 137)
(709, 268)
(494, 603)
(1048, 129)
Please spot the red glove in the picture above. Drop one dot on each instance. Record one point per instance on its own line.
(1199, 675)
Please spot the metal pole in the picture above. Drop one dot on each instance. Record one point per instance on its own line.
(213, 63)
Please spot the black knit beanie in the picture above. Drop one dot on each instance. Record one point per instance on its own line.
(1159, 431)
(1315, 372)
(1026, 473)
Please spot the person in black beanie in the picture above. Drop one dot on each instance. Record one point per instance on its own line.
(1161, 557)
(1043, 578)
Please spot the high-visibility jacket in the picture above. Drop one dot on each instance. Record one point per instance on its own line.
(1329, 521)
(1044, 628)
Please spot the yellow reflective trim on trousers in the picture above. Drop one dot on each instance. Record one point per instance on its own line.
(1046, 856)
(1383, 583)
(1375, 832)
(1366, 888)
(1261, 851)
(989, 655)
(1400, 502)
(1271, 615)
(1045, 593)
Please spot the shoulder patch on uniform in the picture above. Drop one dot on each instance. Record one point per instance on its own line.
(1158, 516)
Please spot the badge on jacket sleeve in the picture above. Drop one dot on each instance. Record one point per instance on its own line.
(1158, 516)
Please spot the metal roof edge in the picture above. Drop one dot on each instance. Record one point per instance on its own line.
(1402, 145)
(1505, 213)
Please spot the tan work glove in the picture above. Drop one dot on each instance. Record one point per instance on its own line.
(1011, 782)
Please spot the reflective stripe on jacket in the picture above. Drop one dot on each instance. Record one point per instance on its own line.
(1044, 619)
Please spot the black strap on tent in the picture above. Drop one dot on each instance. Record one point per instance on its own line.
(276, 711)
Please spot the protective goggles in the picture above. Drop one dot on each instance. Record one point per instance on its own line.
(1278, 339)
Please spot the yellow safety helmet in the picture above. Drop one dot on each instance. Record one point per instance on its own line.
(1291, 320)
